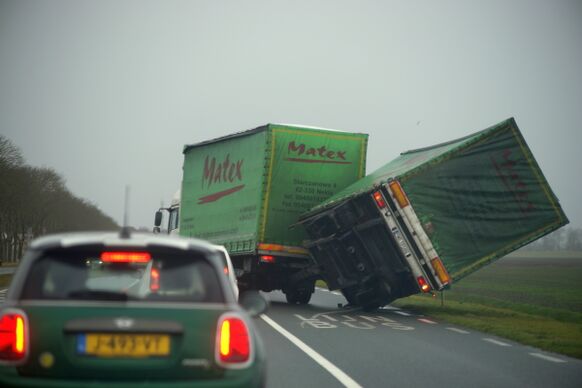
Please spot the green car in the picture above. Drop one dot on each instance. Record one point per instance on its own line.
(127, 310)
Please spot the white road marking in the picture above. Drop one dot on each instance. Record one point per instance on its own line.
(403, 313)
(427, 321)
(343, 378)
(547, 358)
(4, 290)
(494, 341)
(457, 330)
(389, 308)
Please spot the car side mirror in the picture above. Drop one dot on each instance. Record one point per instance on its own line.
(253, 302)
(158, 219)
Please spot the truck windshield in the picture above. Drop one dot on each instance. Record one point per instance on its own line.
(174, 217)
(67, 274)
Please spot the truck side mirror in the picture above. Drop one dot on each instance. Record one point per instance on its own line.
(158, 219)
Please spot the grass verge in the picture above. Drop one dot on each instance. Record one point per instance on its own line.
(534, 301)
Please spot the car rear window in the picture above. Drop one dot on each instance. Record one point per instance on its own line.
(123, 275)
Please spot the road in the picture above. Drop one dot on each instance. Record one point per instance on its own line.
(391, 347)
(7, 270)
(322, 345)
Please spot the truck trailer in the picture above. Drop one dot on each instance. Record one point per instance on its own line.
(244, 190)
(431, 217)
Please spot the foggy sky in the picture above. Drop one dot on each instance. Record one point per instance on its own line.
(108, 92)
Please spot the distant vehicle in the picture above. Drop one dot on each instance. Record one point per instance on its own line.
(432, 216)
(228, 269)
(245, 190)
(173, 221)
(125, 310)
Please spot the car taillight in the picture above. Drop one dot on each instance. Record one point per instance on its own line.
(13, 335)
(267, 259)
(379, 199)
(423, 284)
(154, 279)
(399, 194)
(125, 257)
(233, 342)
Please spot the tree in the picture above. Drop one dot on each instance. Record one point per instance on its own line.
(573, 239)
(35, 201)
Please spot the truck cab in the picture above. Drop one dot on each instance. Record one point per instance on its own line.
(173, 221)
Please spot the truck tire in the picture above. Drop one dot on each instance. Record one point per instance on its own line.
(291, 297)
(350, 295)
(298, 296)
(304, 297)
(301, 293)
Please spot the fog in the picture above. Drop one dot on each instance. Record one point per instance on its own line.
(108, 92)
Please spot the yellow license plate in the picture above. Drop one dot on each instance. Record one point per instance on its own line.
(124, 345)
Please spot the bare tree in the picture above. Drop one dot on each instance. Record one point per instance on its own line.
(35, 201)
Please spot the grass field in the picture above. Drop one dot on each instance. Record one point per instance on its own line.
(535, 299)
(532, 298)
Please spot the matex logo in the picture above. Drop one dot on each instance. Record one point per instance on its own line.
(508, 171)
(307, 153)
(221, 171)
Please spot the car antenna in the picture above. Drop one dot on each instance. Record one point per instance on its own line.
(125, 230)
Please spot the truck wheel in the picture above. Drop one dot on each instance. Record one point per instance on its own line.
(298, 296)
(291, 297)
(350, 295)
(304, 297)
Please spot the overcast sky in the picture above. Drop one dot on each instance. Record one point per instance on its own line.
(108, 92)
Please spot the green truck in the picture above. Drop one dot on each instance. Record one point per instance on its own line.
(432, 216)
(245, 190)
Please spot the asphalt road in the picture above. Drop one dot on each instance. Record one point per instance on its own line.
(391, 347)
(322, 345)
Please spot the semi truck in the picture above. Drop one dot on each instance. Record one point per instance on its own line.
(244, 190)
(173, 220)
(431, 217)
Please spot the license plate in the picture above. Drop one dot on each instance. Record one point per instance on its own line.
(123, 345)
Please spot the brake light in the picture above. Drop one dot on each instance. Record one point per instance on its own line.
(125, 257)
(423, 284)
(399, 194)
(379, 199)
(233, 342)
(267, 259)
(13, 336)
(154, 279)
(440, 270)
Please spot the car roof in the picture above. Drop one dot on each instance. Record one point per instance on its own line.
(105, 239)
(220, 248)
(68, 240)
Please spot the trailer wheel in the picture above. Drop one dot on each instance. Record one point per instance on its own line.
(350, 295)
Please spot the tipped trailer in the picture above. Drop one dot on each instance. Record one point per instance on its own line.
(244, 190)
(431, 217)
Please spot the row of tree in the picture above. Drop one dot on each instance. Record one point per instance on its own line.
(568, 238)
(35, 201)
